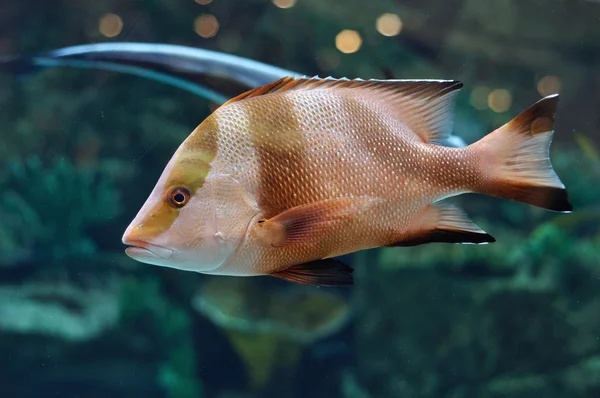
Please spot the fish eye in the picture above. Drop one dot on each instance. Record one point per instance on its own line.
(179, 197)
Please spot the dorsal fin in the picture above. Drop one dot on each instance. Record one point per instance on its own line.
(425, 106)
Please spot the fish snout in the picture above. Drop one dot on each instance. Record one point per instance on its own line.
(141, 250)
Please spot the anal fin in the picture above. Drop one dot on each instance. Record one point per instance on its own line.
(326, 272)
(444, 222)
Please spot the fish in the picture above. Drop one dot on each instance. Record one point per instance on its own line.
(286, 177)
(255, 318)
(209, 74)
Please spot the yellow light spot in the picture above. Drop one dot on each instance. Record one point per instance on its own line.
(499, 100)
(389, 24)
(206, 25)
(110, 25)
(548, 85)
(284, 3)
(203, 2)
(479, 97)
(348, 41)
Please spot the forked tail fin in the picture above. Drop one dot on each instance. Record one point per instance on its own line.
(515, 159)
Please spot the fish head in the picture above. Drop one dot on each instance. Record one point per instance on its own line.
(194, 218)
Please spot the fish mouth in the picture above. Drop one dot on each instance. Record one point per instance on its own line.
(139, 250)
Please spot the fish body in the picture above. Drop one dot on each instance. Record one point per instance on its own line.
(283, 178)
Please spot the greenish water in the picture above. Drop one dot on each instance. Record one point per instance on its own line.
(82, 145)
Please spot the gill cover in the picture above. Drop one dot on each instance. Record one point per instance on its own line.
(200, 233)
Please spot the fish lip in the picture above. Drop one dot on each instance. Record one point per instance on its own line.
(145, 248)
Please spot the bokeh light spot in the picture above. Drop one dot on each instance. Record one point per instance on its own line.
(348, 41)
(203, 2)
(479, 97)
(206, 25)
(110, 25)
(389, 24)
(548, 85)
(499, 100)
(284, 3)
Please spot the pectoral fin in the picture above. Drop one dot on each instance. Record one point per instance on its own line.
(302, 224)
(326, 272)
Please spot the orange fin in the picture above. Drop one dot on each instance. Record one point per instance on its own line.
(444, 222)
(518, 159)
(326, 272)
(302, 224)
(425, 106)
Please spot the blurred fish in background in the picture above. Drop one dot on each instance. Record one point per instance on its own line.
(209, 74)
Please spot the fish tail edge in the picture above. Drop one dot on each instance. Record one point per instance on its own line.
(515, 159)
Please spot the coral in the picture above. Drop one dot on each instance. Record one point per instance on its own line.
(47, 208)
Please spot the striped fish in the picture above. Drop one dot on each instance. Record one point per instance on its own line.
(285, 177)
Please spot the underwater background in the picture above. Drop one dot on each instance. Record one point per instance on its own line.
(81, 148)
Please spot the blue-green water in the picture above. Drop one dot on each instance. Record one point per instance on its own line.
(83, 143)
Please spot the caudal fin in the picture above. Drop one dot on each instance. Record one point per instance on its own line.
(516, 163)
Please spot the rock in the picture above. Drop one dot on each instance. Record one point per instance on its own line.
(58, 310)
